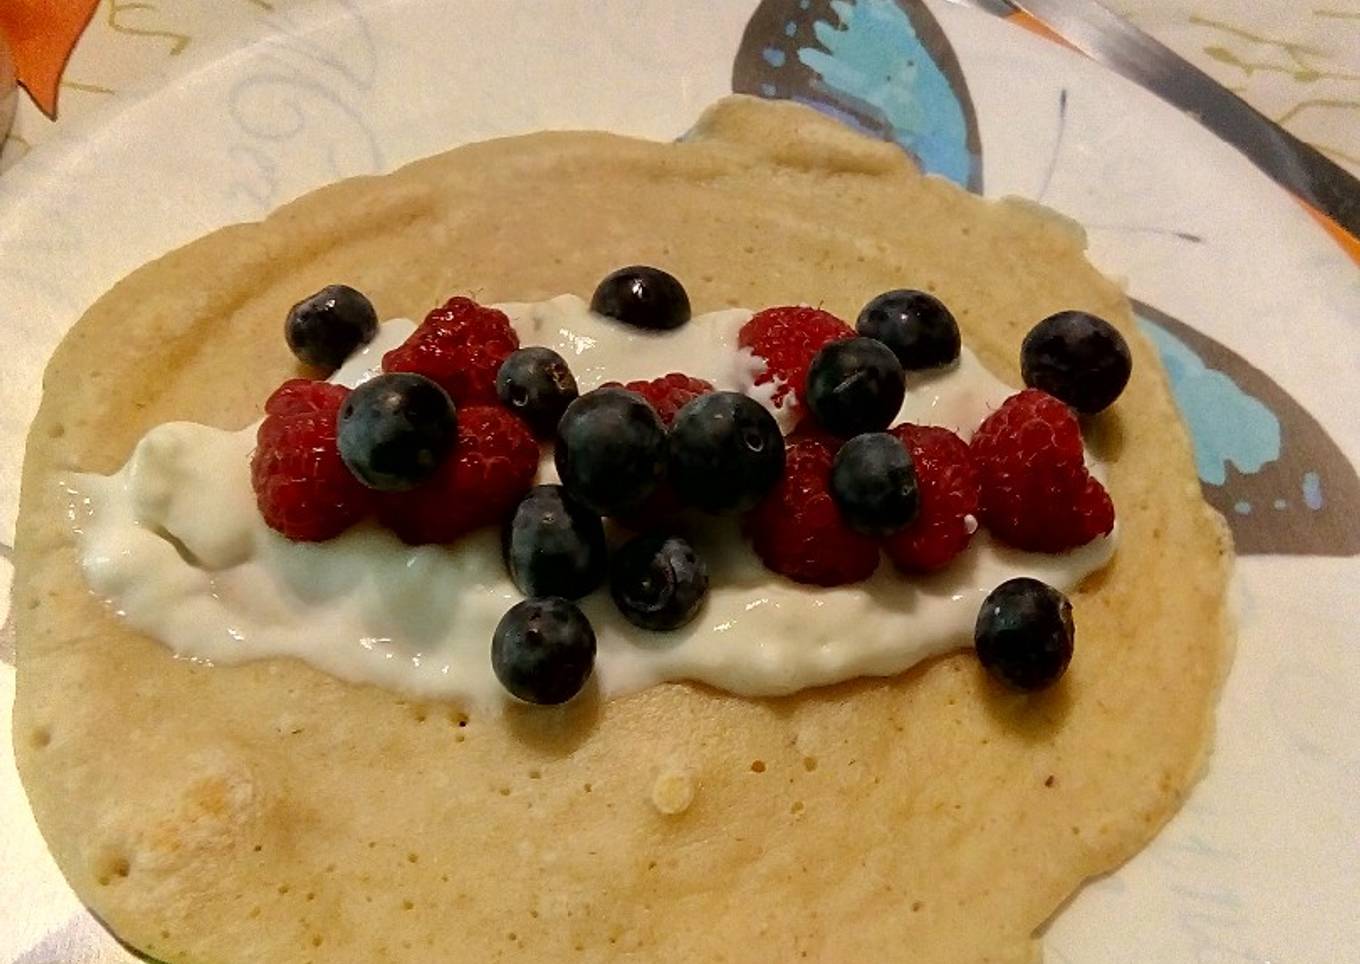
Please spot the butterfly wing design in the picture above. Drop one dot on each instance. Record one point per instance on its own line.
(882, 66)
(1263, 461)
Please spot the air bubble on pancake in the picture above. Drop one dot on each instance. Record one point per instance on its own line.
(757, 766)
(112, 865)
(56, 431)
(809, 763)
(672, 793)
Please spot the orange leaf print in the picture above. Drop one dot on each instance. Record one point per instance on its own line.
(41, 35)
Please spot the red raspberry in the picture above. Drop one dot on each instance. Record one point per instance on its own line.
(1036, 491)
(787, 338)
(667, 394)
(949, 492)
(460, 346)
(488, 473)
(798, 531)
(810, 430)
(301, 486)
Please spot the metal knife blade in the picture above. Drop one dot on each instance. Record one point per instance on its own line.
(1113, 41)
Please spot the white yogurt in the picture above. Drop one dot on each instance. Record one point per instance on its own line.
(174, 542)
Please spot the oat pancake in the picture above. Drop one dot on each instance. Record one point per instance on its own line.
(268, 812)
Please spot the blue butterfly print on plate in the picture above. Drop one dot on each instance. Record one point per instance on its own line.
(1263, 461)
(882, 66)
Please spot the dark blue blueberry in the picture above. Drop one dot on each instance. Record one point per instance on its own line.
(611, 450)
(554, 546)
(658, 581)
(537, 385)
(1078, 358)
(855, 386)
(1024, 634)
(726, 452)
(917, 327)
(543, 650)
(395, 430)
(331, 325)
(873, 483)
(642, 297)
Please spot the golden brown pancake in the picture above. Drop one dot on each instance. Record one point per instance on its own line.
(268, 812)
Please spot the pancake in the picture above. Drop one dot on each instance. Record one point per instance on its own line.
(269, 812)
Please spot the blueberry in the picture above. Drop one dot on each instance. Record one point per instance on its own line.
(554, 546)
(331, 325)
(1078, 358)
(873, 483)
(855, 386)
(543, 650)
(642, 297)
(658, 581)
(537, 385)
(395, 430)
(726, 452)
(1024, 634)
(917, 327)
(611, 450)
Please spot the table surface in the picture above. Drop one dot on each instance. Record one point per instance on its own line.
(1297, 61)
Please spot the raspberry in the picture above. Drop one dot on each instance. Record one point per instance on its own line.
(302, 488)
(949, 492)
(490, 470)
(667, 394)
(1036, 491)
(786, 338)
(460, 346)
(798, 531)
(810, 430)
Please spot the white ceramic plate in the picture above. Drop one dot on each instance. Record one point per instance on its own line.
(1254, 307)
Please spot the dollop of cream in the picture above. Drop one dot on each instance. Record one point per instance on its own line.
(173, 541)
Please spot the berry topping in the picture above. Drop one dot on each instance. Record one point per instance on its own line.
(543, 650)
(726, 453)
(658, 581)
(461, 347)
(917, 327)
(1077, 358)
(488, 473)
(611, 450)
(797, 530)
(395, 430)
(809, 430)
(642, 297)
(1036, 491)
(301, 486)
(873, 483)
(1024, 634)
(667, 394)
(331, 325)
(855, 386)
(949, 495)
(554, 546)
(786, 338)
(537, 385)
